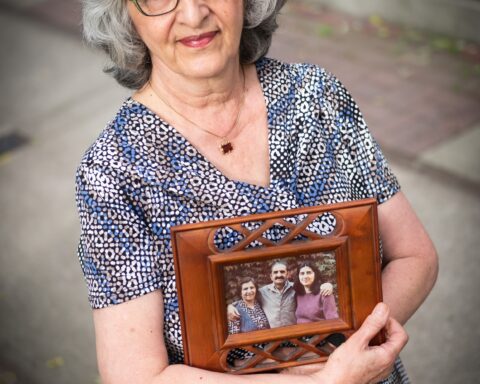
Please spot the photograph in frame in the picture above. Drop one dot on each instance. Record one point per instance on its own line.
(309, 281)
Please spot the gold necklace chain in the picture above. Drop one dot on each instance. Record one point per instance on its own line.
(226, 145)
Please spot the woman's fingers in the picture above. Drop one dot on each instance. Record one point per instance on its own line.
(326, 289)
(373, 324)
(232, 313)
(396, 337)
(367, 364)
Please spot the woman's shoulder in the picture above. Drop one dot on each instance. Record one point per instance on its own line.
(122, 139)
(304, 74)
(107, 141)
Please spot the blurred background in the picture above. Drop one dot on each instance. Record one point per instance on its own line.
(414, 69)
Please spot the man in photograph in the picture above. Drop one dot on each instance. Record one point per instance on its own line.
(278, 298)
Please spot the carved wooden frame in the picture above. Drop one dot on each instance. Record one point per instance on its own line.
(199, 278)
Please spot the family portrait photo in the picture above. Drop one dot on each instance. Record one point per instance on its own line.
(282, 292)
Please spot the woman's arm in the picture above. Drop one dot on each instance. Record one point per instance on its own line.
(131, 349)
(234, 326)
(410, 260)
(329, 307)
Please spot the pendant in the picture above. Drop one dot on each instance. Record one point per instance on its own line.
(226, 147)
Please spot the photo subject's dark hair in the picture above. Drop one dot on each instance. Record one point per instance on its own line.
(245, 280)
(297, 285)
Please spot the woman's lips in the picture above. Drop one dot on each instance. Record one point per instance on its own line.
(198, 41)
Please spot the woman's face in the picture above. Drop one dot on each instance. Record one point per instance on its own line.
(199, 39)
(306, 276)
(248, 291)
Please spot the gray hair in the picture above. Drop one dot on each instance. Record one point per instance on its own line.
(107, 25)
(278, 262)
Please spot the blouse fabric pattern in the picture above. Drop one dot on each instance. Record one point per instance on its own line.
(140, 177)
(311, 307)
(251, 319)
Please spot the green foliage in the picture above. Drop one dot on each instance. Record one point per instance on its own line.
(324, 30)
(442, 43)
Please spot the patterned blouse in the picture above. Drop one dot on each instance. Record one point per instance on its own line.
(140, 177)
(256, 317)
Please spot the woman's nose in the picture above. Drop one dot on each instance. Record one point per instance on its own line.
(192, 12)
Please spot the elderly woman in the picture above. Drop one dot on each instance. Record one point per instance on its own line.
(311, 304)
(252, 317)
(214, 129)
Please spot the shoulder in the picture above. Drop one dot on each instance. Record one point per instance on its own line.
(309, 77)
(108, 145)
(240, 305)
(266, 288)
(123, 146)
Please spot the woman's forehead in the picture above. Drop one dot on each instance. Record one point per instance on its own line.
(306, 268)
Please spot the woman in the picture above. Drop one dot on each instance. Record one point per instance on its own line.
(311, 304)
(213, 130)
(252, 317)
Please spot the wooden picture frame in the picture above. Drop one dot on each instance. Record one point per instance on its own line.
(201, 267)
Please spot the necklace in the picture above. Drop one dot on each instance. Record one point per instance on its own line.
(226, 145)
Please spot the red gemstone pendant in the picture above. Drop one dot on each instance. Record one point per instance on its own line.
(226, 147)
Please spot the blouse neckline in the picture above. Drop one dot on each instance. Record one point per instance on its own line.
(259, 66)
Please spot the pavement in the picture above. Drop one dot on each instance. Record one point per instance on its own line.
(420, 94)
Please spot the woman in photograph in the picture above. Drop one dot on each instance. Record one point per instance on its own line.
(311, 304)
(215, 129)
(252, 317)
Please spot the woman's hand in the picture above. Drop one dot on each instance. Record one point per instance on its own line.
(232, 313)
(326, 289)
(357, 362)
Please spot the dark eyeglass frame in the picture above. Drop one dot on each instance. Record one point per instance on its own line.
(157, 14)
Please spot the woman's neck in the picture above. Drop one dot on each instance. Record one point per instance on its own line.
(210, 103)
(198, 92)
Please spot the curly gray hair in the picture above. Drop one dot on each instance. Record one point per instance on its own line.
(107, 25)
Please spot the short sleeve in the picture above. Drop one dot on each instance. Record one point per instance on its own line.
(360, 155)
(117, 251)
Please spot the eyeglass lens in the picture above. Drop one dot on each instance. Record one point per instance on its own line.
(157, 7)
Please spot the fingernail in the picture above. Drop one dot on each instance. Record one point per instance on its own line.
(380, 310)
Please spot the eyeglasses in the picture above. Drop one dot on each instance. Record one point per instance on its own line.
(155, 7)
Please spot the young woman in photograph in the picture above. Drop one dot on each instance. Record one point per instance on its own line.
(311, 304)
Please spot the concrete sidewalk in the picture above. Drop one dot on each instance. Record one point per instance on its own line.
(421, 101)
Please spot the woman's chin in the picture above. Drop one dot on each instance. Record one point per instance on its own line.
(205, 65)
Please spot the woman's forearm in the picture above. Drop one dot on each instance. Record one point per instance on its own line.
(181, 374)
(406, 283)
